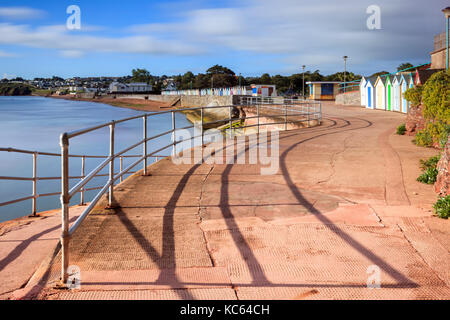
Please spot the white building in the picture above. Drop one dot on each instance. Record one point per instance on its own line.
(117, 87)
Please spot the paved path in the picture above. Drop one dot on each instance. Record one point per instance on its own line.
(344, 199)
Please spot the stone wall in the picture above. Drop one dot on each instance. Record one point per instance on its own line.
(442, 185)
(349, 98)
(414, 120)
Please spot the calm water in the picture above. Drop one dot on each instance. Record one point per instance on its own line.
(35, 123)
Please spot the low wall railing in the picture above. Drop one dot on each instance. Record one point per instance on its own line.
(35, 195)
(294, 110)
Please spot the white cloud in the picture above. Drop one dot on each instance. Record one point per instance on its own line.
(71, 53)
(18, 13)
(57, 37)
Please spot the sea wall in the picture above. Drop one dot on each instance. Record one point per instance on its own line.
(349, 98)
(442, 185)
(187, 101)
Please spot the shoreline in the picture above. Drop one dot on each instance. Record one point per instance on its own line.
(135, 104)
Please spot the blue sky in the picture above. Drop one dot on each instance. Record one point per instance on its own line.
(248, 36)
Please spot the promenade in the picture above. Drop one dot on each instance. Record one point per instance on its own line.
(344, 202)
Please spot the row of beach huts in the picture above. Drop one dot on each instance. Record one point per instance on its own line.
(386, 92)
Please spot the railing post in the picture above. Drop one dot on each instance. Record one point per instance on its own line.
(231, 121)
(285, 117)
(121, 168)
(201, 116)
(308, 110)
(173, 135)
(111, 164)
(145, 146)
(34, 206)
(83, 163)
(257, 115)
(65, 237)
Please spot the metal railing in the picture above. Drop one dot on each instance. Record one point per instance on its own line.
(299, 110)
(35, 178)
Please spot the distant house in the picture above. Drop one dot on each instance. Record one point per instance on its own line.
(323, 90)
(137, 87)
(264, 90)
(171, 86)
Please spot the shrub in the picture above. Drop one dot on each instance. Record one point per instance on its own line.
(424, 138)
(430, 163)
(414, 95)
(436, 109)
(429, 176)
(442, 207)
(401, 129)
(429, 168)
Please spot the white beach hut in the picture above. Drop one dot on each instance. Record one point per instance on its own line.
(380, 97)
(362, 90)
(396, 94)
(370, 92)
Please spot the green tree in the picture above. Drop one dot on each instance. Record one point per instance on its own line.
(404, 66)
(141, 75)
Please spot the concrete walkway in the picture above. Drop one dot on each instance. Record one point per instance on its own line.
(343, 204)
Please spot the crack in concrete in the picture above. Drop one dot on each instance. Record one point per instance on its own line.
(208, 249)
(333, 160)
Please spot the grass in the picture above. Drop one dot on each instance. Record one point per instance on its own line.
(442, 207)
(429, 168)
(401, 129)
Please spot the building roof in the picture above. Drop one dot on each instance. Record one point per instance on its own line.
(314, 82)
(372, 80)
(424, 75)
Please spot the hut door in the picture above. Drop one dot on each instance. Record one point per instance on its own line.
(369, 97)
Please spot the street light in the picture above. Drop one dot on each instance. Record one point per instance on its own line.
(303, 67)
(446, 11)
(345, 71)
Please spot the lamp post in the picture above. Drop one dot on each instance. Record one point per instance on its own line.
(345, 71)
(303, 92)
(446, 11)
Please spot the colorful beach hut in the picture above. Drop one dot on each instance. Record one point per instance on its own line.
(380, 88)
(363, 93)
(369, 88)
(396, 94)
(389, 92)
(406, 82)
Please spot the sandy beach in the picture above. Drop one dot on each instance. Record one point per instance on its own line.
(135, 104)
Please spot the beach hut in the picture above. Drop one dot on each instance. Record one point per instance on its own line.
(396, 93)
(406, 80)
(389, 92)
(323, 90)
(370, 92)
(362, 91)
(380, 98)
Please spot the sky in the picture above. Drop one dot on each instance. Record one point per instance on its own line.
(248, 36)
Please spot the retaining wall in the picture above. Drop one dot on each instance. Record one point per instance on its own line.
(349, 98)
